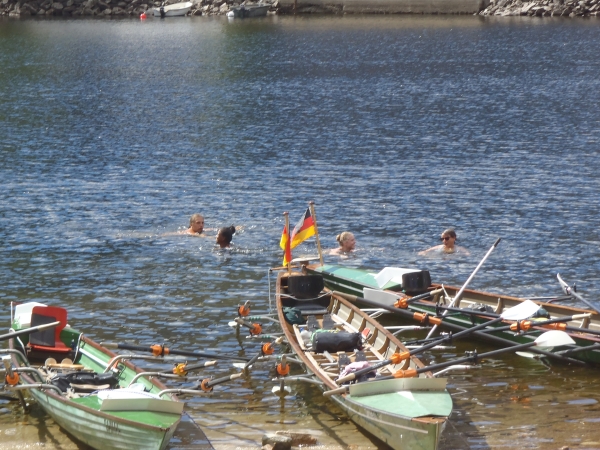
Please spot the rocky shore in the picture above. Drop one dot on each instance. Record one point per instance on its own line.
(562, 8)
(136, 8)
(107, 8)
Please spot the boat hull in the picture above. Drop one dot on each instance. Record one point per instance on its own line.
(249, 11)
(102, 431)
(397, 432)
(174, 10)
(354, 281)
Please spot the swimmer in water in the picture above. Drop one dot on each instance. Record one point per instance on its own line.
(224, 236)
(347, 243)
(448, 244)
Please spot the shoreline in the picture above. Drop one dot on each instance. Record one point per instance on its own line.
(135, 8)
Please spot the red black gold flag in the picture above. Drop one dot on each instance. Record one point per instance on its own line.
(303, 229)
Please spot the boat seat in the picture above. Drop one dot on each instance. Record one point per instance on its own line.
(343, 360)
(360, 356)
(314, 312)
(311, 323)
(48, 340)
(328, 323)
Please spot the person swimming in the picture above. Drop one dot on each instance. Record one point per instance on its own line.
(196, 224)
(225, 236)
(448, 244)
(347, 243)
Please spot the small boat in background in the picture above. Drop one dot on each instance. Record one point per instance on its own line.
(176, 9)
(243, 11)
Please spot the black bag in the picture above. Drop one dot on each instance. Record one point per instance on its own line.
(85, 381)
(337, 342)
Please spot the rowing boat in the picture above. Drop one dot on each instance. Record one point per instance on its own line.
(406, 413)
(370, 288)
(97, 396)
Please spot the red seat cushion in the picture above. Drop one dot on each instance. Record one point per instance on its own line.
(49, 339)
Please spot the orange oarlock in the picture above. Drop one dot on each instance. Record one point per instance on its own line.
(522, 325)
(397, 358)
(179, 369)
(13, 379)
(159, 350)
(427, 319)
(402, 303)
(204, 385)
(243, 310)
(268, 349)
(255, 329)
(408, 373)
(283, 370)
(556, 326)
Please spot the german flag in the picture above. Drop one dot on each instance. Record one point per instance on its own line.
(303, 229)
(284, 243)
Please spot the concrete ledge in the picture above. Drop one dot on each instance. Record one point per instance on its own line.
(389, 6)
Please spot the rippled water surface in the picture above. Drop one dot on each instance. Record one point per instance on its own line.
(113, 132)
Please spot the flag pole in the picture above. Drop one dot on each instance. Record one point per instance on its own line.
(289, 238)
(314, 216)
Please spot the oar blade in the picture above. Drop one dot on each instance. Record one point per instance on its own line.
(553, 338)
(522, 311)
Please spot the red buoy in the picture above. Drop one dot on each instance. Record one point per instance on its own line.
(143, 15)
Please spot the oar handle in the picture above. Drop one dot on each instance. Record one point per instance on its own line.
(28, 330)
(341, 390)
(216, 381)
(571, 291)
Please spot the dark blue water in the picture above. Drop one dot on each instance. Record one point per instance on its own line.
(113, 132)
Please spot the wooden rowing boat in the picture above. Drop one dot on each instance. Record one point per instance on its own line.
(363, 284)
(97, 396)
(405, 413)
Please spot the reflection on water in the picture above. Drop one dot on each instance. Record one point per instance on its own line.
(113, 132)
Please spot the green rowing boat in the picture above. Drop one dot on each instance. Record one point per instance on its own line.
(370, 288)
(97, 396)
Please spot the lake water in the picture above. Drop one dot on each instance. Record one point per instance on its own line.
(113, 132)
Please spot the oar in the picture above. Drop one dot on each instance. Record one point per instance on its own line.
(265, 350)
(521, 311)
(255, 328)
(549, 339)
(571, 291)
(4, 337)
(570, 351)
(458, 296)
(405, 301)
(161, 350)
(526, 325)
(207, 384)
(421, 317)
(182, 369)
